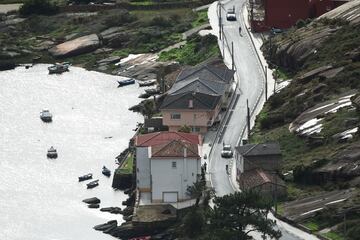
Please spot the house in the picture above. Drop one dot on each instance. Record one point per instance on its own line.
(197, 98)
(265, 14)
(166, 164)
(257, 166)
(266, 156)
(266, 183)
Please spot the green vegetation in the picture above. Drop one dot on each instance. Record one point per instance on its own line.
(201, 19)
(333, 236)
(143, 31)
(127, 166)
(40, 7)
(313, 226)
(196, 50)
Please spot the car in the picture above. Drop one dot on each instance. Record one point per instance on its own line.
(275, 31)
(230, 14)
(226, 151)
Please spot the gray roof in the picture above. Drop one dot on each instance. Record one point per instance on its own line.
(200, 101)
(207, 72)
(199, 85)
(259, 149)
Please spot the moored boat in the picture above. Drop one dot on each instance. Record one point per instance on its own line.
(85, 177)
(126, 82)
(52, 153)
(59, 68)
(147, 83)
(93, 184)
(106, 171)
(45, 115)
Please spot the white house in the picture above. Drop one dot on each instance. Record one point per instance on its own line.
(166, 164)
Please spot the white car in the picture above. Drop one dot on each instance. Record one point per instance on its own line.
(227, 152)
(230, 15)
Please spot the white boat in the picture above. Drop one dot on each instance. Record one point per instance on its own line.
(59, 68)
(52, 153)
(45, 115)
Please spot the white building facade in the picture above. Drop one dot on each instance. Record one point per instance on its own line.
(167, 163)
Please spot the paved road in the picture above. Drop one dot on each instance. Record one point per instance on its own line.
(250, 87)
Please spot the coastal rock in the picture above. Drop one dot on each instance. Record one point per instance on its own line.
(77, 46)
(106, 226)
(109, 60)
(115, 37)
(93, 200)
(113, 210)
(93, 205)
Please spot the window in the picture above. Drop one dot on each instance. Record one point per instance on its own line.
(195, 129)
(173, 164)
(175, 115)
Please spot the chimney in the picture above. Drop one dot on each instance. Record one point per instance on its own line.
(191, 103)
(185, 153)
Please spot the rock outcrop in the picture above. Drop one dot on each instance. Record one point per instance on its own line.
(77, 46)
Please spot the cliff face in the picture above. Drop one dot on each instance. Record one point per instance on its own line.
(316, 117)
(291, 50)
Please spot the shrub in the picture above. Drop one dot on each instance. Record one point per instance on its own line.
(39, 7)
(160, 22)
(300, 23)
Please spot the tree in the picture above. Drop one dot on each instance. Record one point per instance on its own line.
(148, 109)
(196, 191)
(193, 223)
(236, 215)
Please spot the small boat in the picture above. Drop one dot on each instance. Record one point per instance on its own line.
(45, 115)
(93, 184)
(59, 68)
(126, 82)
(52, 153)
(85, 177)
(106, 171)
(152, 91)
(147, 83)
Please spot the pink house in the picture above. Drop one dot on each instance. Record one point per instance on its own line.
(197, 98)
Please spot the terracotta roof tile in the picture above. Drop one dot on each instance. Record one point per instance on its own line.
(175, 149)
(257, 177)
(152, 139)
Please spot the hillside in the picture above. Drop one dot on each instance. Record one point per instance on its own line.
(316, 117)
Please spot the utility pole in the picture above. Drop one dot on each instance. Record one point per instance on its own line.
(232, 56)
(248, 118)
(266, 84)
(223, 42)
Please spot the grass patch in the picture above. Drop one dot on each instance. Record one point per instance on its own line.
(335, 122)
(196, 50)
(333, 236)
(291, 145)
(201, 19)
(127, 166)
(312, 225)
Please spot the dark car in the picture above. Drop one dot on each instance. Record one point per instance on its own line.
(230, 14)
(275, 31)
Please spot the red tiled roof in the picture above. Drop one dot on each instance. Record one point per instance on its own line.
(257, 177)
(175, 149)
(152, 139)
